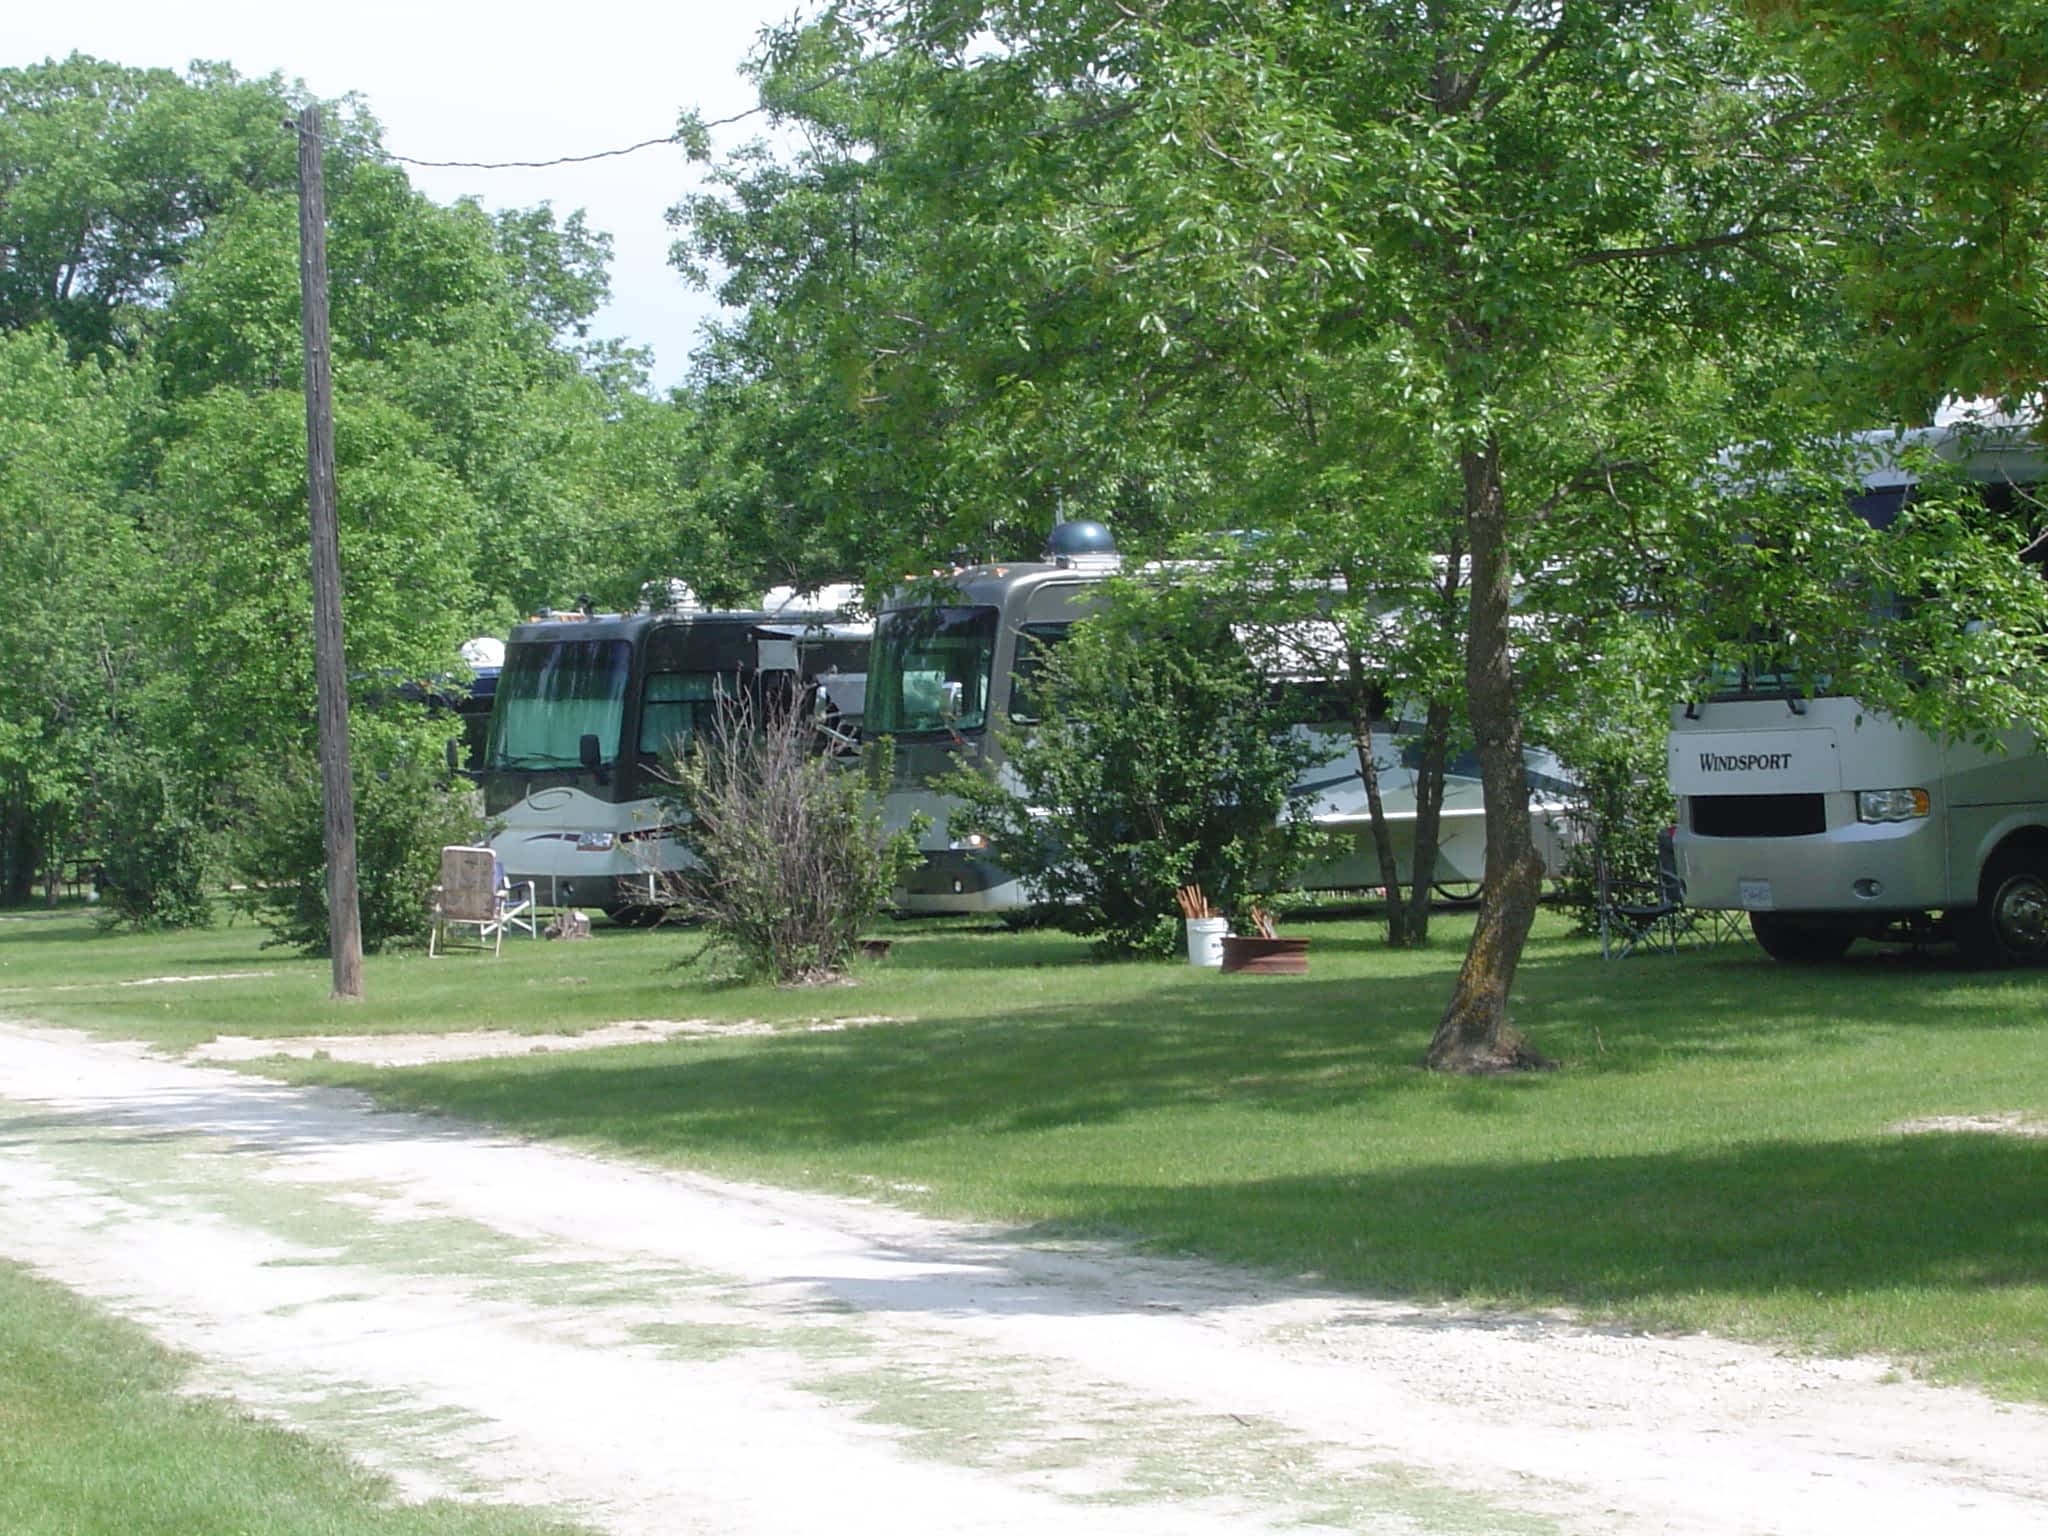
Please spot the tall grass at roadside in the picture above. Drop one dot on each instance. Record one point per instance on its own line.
(97, 1440)
(1732, 1145)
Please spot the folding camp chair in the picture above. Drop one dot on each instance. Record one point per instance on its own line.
(474, 893)
(1648, 915)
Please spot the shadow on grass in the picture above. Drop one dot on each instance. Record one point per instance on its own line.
(1943, 1212)
(1948, 1215)
(1304, 1046)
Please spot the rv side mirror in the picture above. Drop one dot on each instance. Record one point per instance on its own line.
(589, 751)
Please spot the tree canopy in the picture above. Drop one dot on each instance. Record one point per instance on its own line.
(1459, 306)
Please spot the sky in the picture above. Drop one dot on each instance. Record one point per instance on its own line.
(512, 80)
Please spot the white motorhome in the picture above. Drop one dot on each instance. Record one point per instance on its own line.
(953, 660)
(1826, 821)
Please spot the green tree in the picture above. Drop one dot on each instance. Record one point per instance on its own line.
(1505, 239)
(111, 174)
(1942, 114)
(70, 628)
(1159, 760)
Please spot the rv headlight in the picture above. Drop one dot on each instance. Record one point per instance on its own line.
(595, 842)
(973, 842)
(1890, 804)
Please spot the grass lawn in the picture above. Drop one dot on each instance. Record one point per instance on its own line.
(97, 1440)
(1726, 1148)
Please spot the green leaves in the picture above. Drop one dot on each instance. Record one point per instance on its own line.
(1158, 761)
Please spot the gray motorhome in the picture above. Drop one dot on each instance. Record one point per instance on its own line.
(953, 660)
(588, 707)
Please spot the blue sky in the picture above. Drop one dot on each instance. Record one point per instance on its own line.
(512, 80)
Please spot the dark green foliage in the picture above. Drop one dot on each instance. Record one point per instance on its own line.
(1608, 723)
(791, 862)
(405, 814)
(154, 868)
(1160, 761)
(1624, 803)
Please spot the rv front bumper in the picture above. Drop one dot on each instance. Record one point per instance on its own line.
(1857, 867)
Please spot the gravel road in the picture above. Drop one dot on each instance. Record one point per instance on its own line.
(656, 1353)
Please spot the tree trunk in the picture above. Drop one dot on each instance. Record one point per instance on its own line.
(1475, 1034)
(1431, 762)
(1369, 774)
(18, 853)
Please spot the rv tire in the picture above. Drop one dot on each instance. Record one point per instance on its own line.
(2009, 924)
(1799, 941)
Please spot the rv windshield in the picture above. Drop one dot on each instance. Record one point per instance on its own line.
(550, 696)
(931, 670)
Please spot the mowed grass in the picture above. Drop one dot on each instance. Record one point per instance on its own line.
(1731, 1145)
(96, 1439)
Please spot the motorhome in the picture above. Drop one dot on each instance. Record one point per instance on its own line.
(590, 707)
(954, 658)
(1826, 821)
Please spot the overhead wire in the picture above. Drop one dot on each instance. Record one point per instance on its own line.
(830, 77)
(602, 154)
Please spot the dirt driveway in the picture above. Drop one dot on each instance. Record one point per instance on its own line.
(660, 1354)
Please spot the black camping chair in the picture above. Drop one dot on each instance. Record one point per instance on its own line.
(1648, 915)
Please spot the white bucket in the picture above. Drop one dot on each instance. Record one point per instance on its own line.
(1205, 940)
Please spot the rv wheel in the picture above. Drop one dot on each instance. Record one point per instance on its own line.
(1458, 893)
(2009, 924)
(1799, 941)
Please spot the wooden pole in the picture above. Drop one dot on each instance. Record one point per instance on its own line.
(344, 916)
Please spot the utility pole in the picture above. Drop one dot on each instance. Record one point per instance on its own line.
(344, 917)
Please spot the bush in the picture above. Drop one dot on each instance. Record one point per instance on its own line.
(158, 855)
(1622, 801)
(790, 860)
(1160, 761)
(405, 814)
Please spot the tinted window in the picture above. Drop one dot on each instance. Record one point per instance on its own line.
(1034, 643)
(675, 708)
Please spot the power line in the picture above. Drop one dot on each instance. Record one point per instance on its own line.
(521, 165)
(830, 77)
(602, 154)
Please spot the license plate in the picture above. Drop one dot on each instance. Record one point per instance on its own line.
(1755, 895)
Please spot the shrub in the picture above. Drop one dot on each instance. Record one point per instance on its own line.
(1620, 803)
(789, 858)
(405, 813)
(1159, 761)
(157, 862)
